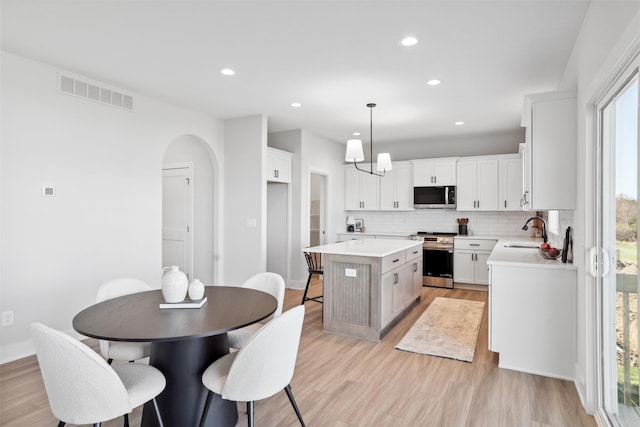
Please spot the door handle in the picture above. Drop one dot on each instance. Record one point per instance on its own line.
(395, 278)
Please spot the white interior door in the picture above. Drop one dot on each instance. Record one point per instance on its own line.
(617, 250)
(278, 228)
(317, 209)
(177, 217)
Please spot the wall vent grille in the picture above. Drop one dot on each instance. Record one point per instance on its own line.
(93, 92)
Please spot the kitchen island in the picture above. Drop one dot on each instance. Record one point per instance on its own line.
(369, 284)
(531, 310)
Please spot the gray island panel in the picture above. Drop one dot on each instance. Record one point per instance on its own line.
(368, 285)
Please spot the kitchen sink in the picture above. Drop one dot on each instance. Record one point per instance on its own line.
(521, 245)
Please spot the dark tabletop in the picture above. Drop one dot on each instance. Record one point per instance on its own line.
(137, 317)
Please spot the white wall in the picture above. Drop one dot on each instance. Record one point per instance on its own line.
(245, 198)
(608, 31)
(105, 220)
(189, 148)
(505, 142)
(311, 153)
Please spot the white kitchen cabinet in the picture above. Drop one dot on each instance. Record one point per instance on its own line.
(509, 182)
(477, 184)
(362, 190)
(396, 188)
(434, 172)
(550, 151)
(392, 293)
(278, 166)
(470, 260)
(413, 275)
(532, 319)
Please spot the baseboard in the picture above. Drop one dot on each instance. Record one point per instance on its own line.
(533, 371)
(470, 286)
(296, 284)
(26, 348)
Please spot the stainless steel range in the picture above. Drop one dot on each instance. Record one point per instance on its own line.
(437, 258)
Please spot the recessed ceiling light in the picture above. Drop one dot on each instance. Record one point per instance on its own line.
(409, 41)
(433, 82)
(459, 123)
(227, 72)
(356, 134)
(296, 104)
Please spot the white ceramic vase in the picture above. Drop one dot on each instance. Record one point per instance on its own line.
(196, 290)
(174, 284)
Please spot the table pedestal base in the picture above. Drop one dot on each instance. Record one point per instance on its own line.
(181, 403)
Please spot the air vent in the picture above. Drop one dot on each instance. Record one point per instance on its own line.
(93, 92)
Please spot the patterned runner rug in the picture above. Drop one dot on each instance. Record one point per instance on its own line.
(448, 328)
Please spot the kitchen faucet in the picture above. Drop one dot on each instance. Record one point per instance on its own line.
(525, 227)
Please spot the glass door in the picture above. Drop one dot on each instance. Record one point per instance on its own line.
(617, 236)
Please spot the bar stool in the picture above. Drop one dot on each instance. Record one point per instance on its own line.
(314, 266)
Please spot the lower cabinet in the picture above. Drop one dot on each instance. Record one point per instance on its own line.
(392, 294)
(412, 278)
(532, 318)
(470, 260)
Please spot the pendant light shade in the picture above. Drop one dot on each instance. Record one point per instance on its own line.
(354, 151)
(384, 162)
(356, 154)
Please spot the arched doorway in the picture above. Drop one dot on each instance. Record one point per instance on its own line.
(189, 200)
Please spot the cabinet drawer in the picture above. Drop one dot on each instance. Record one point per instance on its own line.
(475, 244)
(392, 261)
(412, 253)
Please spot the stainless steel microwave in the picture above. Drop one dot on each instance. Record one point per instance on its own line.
(434, 197)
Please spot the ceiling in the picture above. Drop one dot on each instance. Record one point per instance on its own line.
(333, 57)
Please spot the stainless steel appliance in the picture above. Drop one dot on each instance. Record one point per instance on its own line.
(434, 197)
(437, 258)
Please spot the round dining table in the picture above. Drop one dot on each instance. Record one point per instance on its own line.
(184, 342)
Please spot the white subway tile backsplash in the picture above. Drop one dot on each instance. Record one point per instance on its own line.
(480, 223)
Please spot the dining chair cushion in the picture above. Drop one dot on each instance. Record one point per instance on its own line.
(239, 337)
(120, 350)
(140, 380)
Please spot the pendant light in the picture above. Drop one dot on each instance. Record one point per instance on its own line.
(355, 154)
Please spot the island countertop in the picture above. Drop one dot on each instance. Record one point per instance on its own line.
(366, 247)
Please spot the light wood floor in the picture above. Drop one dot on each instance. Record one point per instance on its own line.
(347, 382)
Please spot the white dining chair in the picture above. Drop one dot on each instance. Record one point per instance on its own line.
(261, 368)
(83, 388)
(271, 283)
(120, 350)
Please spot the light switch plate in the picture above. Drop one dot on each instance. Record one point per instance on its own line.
(251, 223)
(350, 272)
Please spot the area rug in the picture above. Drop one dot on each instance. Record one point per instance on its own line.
(448, 328)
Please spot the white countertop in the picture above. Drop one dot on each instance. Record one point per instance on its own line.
(366, 247)
(523, 257)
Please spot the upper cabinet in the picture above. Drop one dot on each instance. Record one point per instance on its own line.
(434, 172)
(278, 167)
(362, 189)
(509, 182)
(396, 189)
(477, 184)
(549, 158)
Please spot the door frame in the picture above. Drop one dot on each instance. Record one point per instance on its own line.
(189, 166)
(599, 262)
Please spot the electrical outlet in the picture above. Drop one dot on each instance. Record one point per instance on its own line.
(7, 318)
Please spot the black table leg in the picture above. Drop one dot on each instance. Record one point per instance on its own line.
(181, 403)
